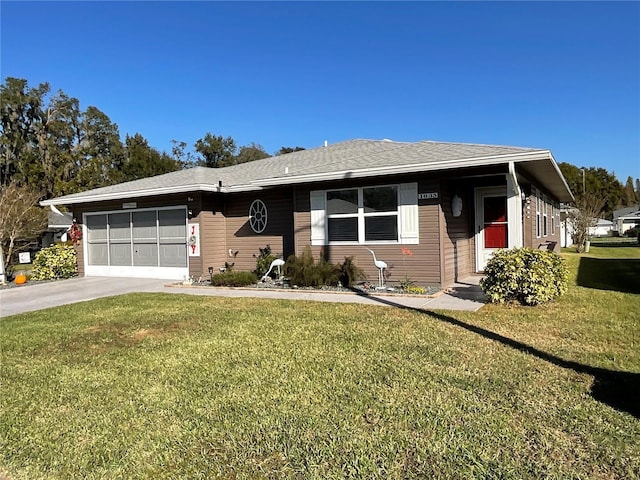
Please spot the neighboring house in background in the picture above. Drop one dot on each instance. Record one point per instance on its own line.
(626, 218)
(451, 204)
(566, 225)
(58, 225)
(602, 228)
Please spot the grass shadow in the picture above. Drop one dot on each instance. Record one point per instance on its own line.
(631, 242)
(621, 275)
(618, 389)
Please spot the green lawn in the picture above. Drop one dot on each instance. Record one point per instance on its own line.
(176, 386)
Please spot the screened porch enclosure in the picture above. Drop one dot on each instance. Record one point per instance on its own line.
(147, 243)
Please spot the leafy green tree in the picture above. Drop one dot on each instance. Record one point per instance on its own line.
(598, 182)
(251, 152)
(216, 150)
(181, 155)
(629, 194)
(141, 160)
(21, 119)
(48, 143)
(284, 150)
(61, 144)
(39, 141)
(100, 155)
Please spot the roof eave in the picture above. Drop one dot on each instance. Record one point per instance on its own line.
(564, 180)
(412, 168)
(130, 194)
(260, 184)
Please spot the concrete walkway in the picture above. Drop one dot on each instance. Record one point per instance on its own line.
(465, 295)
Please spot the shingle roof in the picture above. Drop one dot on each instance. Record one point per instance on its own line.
(622, 212)
(365, 154)
(59, 220)
(358, 157)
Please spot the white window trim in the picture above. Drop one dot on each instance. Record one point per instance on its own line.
(361, 215)
(406, 214)
(538, 216)
(545, 217)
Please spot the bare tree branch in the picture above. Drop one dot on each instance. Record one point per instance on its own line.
(585, 216)
(21, 219)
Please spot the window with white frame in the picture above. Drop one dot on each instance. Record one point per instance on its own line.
(545, 217)
(536, 192)
(377, 214)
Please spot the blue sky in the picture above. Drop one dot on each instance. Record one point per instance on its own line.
(562, 76)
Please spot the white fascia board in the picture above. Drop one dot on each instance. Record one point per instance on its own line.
(89, 198)
(564, 180)
(148, 193)
(241, 188)
(400, 169)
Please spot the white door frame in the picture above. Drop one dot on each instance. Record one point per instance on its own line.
(480, 194)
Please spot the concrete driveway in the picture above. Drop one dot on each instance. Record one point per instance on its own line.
(27, 298)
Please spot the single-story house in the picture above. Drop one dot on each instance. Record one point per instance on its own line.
(566, 225)
(602, 228)
(450, 205)
(626, 218)
(58, 224)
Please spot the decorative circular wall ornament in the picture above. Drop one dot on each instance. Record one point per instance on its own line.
(258, 216)
(456, 205)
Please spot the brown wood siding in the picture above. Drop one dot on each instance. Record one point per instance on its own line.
(180, 199)
(213, 234)
(422, 266)
(427, 262)
(529, 223)
(531, 240)
(243, 241)
(80, 259)
(457, 236)
(224, 226)
(302, 220)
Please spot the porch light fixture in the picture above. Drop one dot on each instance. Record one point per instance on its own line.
(456, 205)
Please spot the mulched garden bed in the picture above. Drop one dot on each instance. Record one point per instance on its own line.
(361, 288)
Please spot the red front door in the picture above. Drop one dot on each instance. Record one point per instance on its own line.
(495, 222)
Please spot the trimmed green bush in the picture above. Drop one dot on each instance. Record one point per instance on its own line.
(633, 232)
(263, 261)
(233, 279)
(57, 261)
(305, 272)
(528, 276)
(350, 273)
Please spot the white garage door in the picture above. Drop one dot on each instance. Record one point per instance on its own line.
(145, 243)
